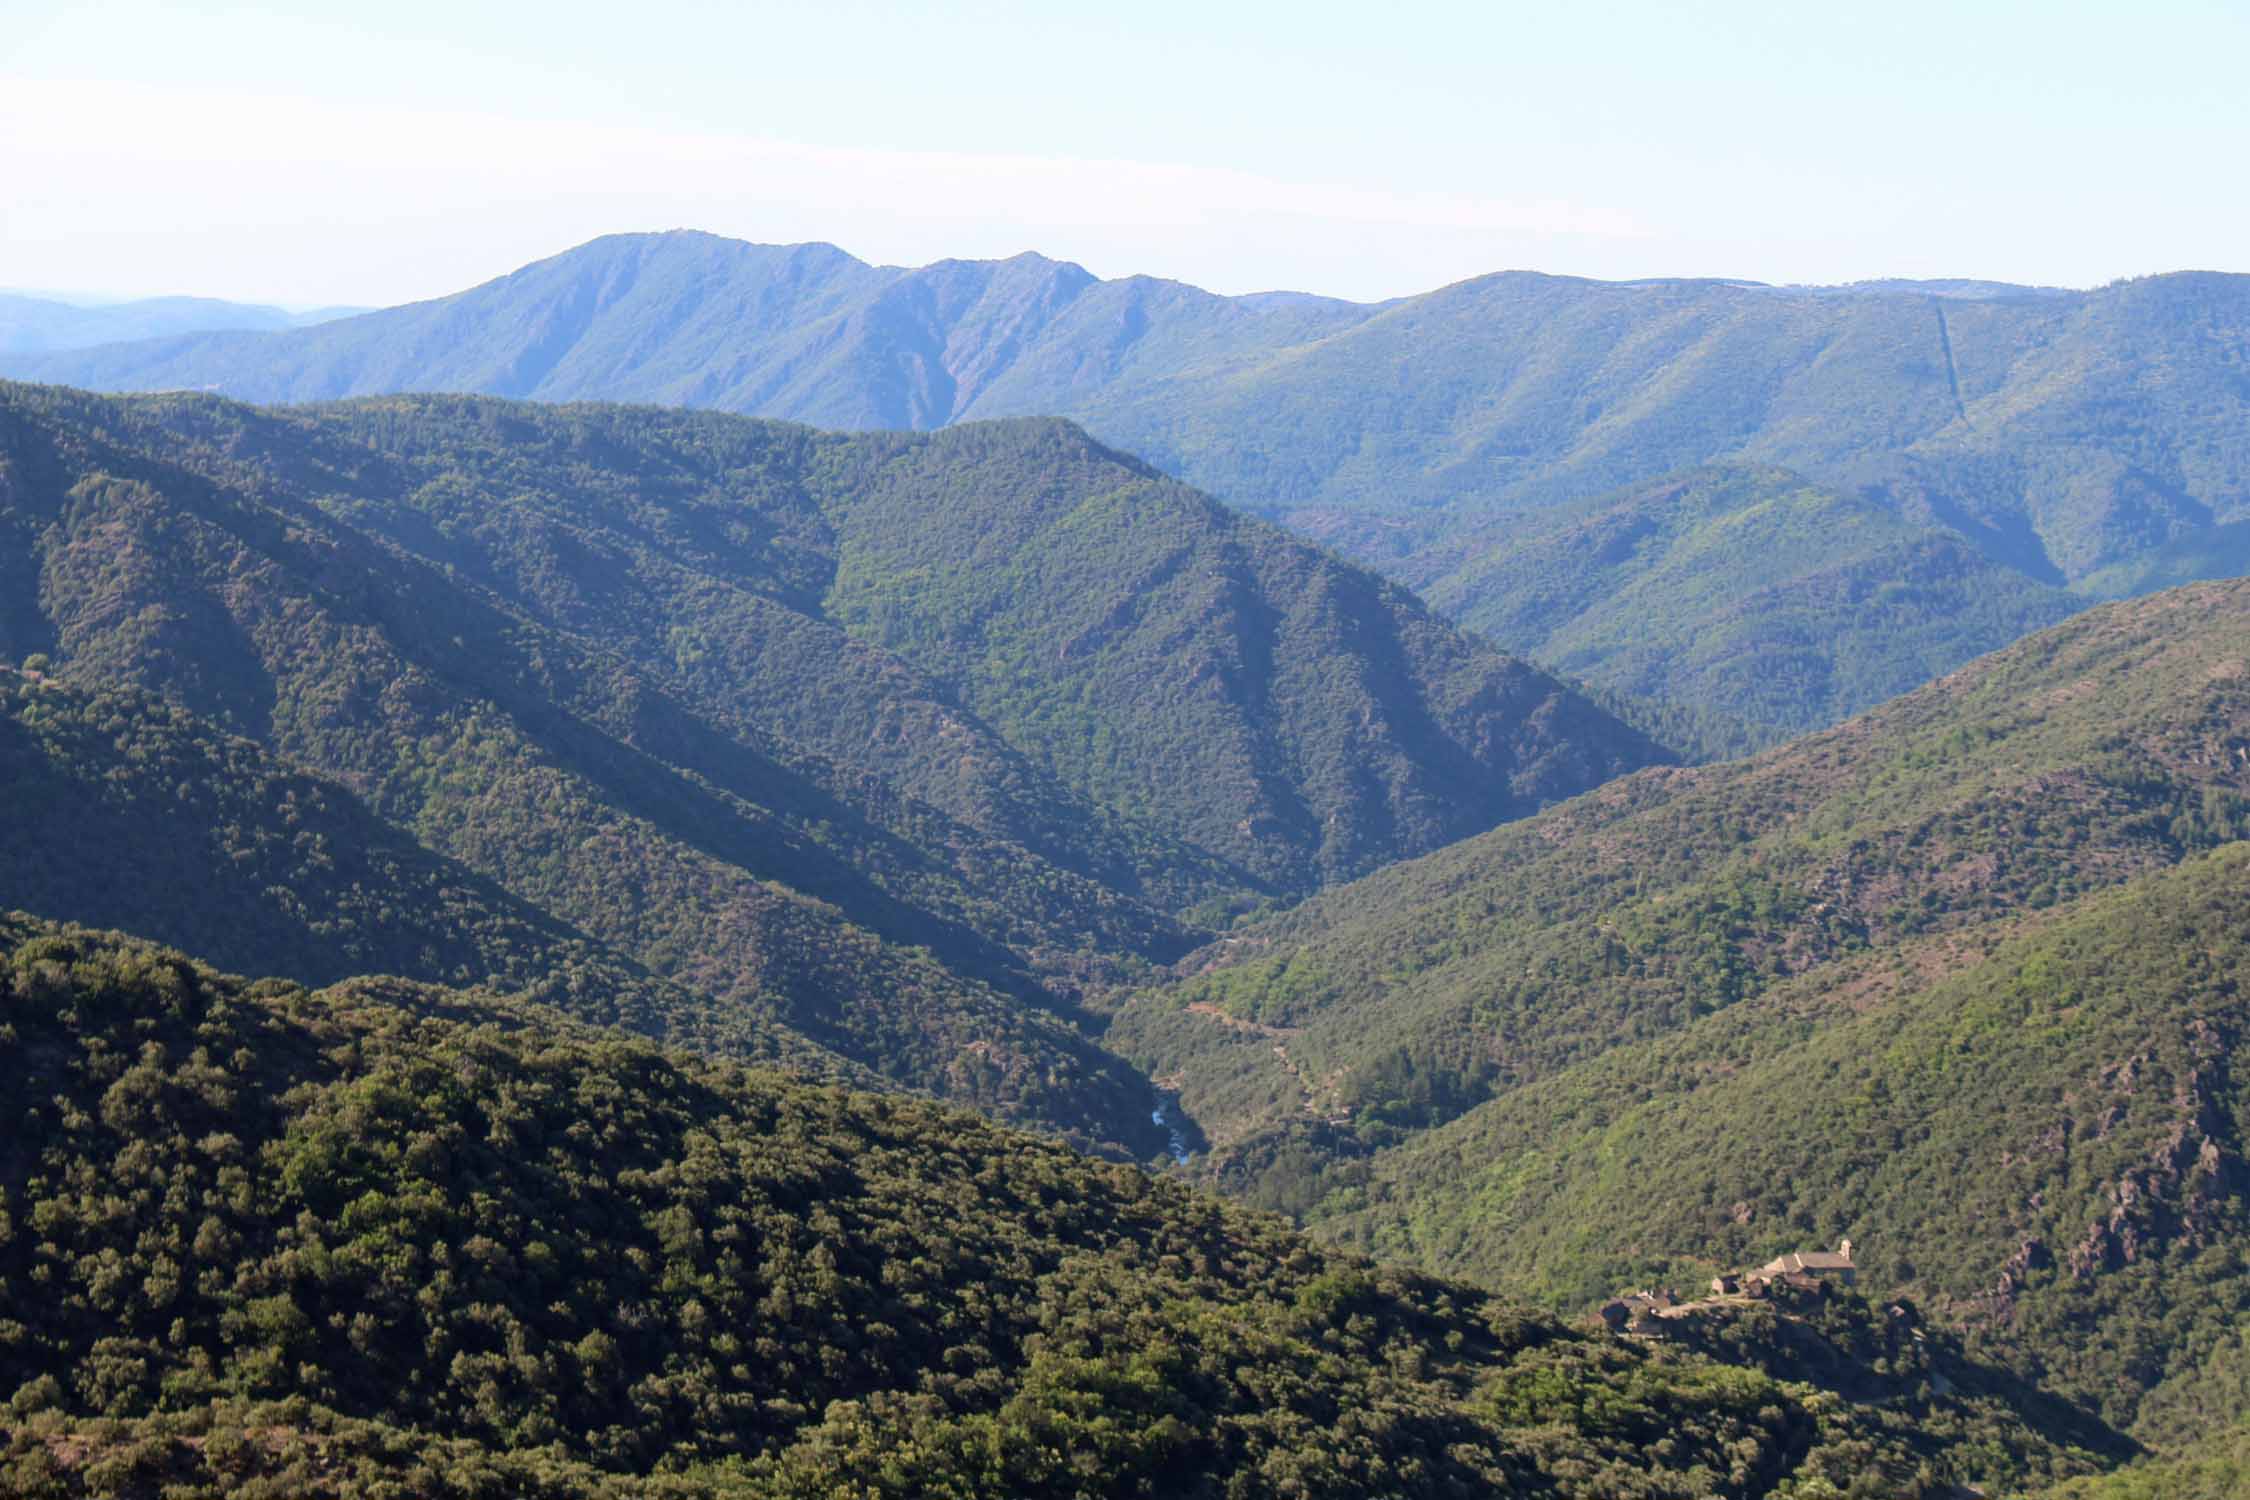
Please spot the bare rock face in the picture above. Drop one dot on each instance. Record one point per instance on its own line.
(2175, 1193)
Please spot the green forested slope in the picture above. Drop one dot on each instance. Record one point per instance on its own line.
(2217, 1468)
(1299, 717)
(2015, 441)
(544, 763)
(123, 809)
(699, 549)
(2031, 1128)
(2105, 747)
(638, 669)
(442, 714)
(1957, 980)
(1061, 628)
(256, 1239)
(2062, 433)
(1742, 589)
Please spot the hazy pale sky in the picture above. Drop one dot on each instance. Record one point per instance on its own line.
(378, 152)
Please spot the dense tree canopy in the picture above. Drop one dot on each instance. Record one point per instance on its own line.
(900, 745)
(2109, 746)
(382, 1236)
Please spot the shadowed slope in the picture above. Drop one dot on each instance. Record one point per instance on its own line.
(776, 713)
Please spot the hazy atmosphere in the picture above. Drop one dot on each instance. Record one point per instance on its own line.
(323, 154)
(873, 751)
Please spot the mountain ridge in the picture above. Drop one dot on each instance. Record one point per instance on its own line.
(1749, 589)
(767, 711)
(2089, 441)
(33, 324)
(950, 291)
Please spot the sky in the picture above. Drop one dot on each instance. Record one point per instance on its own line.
(366, 154)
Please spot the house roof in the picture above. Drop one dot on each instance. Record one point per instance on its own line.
(1812, 1260)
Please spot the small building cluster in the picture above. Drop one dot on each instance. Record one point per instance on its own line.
(1643, 1312)
(1637, 1312)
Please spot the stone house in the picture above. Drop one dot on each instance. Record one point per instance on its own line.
(1834, 1265)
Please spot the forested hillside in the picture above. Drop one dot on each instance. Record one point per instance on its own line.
(124, 810)
(1363, 1060)
(2032, 439)
(2217, 1468)
(763, 711)
(987, 763)
(2105, 747)
(380, 1239)
(2031, 1128)
(1744, 590)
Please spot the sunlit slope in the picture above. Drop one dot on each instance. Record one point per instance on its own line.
(2110, 746)
(2031, 1127)
(1745, 590)
(379, 1238)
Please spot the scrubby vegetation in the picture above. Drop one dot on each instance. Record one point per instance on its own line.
(1954, 980)
(256, 1239)
(125, 811)
(1044, 639)
(2110, 746)
(1982, 445)
(667, 683)
(984, 764)
(2032, 1130)
(2215, 1469)
(129, 810)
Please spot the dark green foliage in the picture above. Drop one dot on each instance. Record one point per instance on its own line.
(1917, 1379)
(1297, 717)
(552, 768)
(291, 1450)
(1698, 734)
(1203, 670)
(2215, 1469)
(1957, 980)
(691, 687)
(126, 811)
(459, 1247)
(768, 712)
(1406, 1092)
(2032, 1129)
